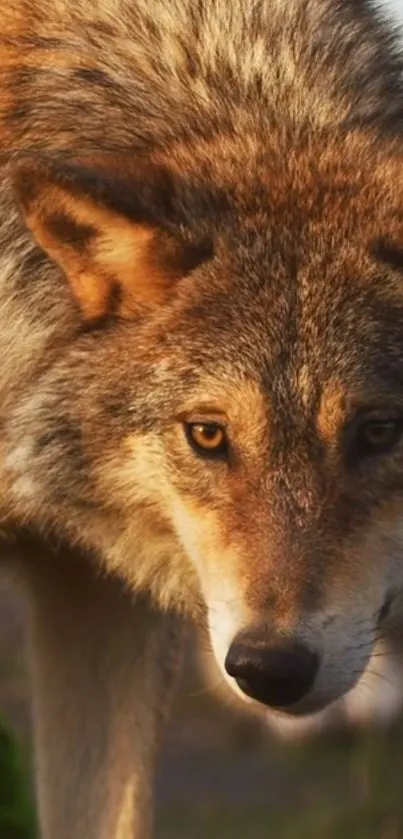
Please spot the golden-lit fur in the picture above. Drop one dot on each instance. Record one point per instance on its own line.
(200, 222)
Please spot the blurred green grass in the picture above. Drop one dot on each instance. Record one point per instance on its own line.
(17, 819)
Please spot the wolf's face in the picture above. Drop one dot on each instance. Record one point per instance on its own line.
(233, 395)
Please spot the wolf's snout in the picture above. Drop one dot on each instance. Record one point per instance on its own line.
(277, 675)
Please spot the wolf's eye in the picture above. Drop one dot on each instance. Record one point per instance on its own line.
(377, 436)
(207, 438)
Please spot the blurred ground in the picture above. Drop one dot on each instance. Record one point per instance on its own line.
(223, 776)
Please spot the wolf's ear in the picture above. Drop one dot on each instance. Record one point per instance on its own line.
(104, 231)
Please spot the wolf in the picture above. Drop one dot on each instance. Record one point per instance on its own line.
(201, 377)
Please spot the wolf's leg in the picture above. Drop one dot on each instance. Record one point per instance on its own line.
(103, 667)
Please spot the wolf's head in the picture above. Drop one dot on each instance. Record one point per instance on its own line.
(225, 420)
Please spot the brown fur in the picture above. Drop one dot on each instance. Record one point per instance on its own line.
(200, 221)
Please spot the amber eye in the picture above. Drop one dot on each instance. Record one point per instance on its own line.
(378, 435)
(207, 438)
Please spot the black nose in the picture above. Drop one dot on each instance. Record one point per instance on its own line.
(276, 674)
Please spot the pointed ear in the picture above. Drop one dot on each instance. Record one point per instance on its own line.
(104, 234)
